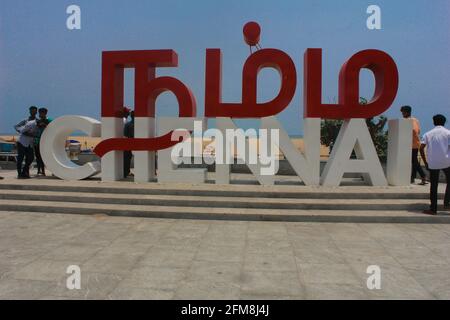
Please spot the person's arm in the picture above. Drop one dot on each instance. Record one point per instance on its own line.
(29, 130)
(423, 155)
(19, 125)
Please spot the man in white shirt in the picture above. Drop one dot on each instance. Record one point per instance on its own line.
(25, 144)
(437, 158)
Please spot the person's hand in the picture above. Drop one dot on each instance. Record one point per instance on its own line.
(426, 166)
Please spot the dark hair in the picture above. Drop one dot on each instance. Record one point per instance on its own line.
(439, 120)
(406, 109)
(33, 108)
(43, 110)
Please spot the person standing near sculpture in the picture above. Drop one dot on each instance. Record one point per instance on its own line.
(127, 155)
(42, 123)
(25, 143)
(416, 167)
(437, 158)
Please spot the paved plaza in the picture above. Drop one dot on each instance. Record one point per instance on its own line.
(142, 258)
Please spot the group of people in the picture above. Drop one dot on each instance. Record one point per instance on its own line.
(28, 144)
(434, 148)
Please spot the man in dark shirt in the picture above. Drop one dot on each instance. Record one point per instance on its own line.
(128, 132)
(42, 123)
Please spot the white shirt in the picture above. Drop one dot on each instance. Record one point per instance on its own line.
(30, 128)
(438, 150)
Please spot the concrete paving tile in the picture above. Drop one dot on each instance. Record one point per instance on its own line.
(21, 255)
(120, 263)
(53, 298)
(271, 283)
(100, 234)
(8, 241)
(192, 229)
(430, 236)
(87, 238)
(150, 277)
(215, 271)
(5, 271)
(233, 229)
(386, 232)
(369, 253)
(174, 241)
(207, 290)
(311, 232)
(333, 291)
(268, 246)
(168, 256)
(94, 286)
(346, 232)
(150, 225)
(271, 262)
(319, 254)
(264, 230)
(327, 274)
(441, 249)
(78, 253)
(223, 239)
(119, 247)
(433, 278)
(130, 293)
(132, 238)
(269, 297)
(13, 289)
(220, 254)
(416, 255)
(44, 270)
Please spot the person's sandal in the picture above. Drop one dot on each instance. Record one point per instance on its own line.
(429, 212)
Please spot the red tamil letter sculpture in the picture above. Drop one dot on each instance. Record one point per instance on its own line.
(386, 85)
(249, 108)
(147, 89)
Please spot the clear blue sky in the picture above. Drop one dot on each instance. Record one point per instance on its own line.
(43, 63)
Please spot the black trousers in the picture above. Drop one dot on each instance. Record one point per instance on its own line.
(40, 163)
(127, 155)
(27, 154)
(416, 167)
(434, 183)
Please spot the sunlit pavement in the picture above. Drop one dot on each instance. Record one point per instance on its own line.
(139, 258)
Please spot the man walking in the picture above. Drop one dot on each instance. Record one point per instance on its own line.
(416, 167)
(437, 158)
